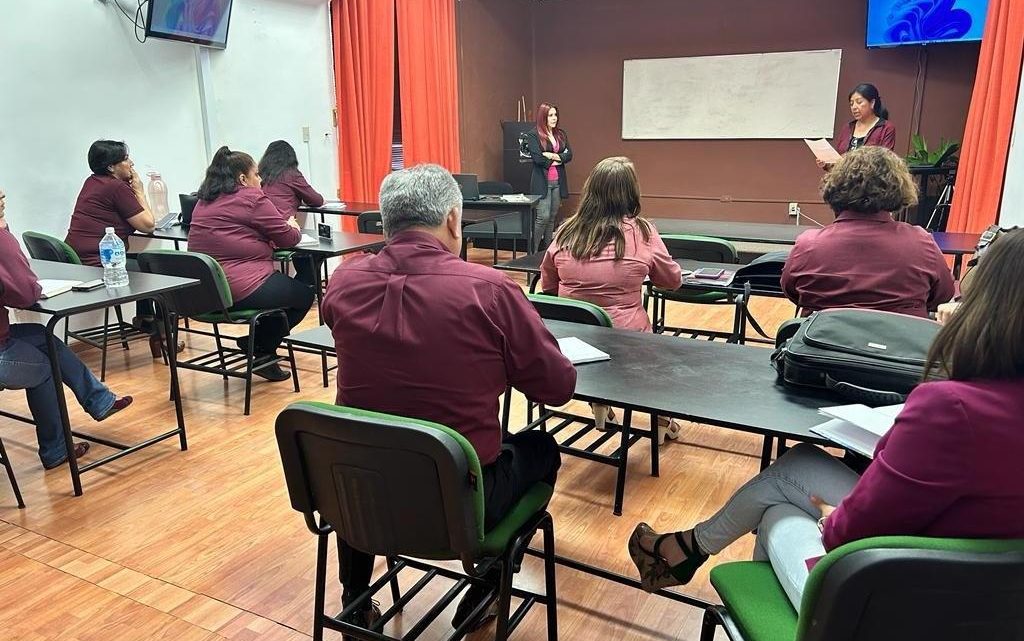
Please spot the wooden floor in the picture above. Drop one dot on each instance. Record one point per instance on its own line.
(202, 545)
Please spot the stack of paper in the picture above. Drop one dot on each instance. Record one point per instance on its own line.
(333, 204)
(579, 352)
(857, 427)
(308, 241)
(51, 287)
(516, 198)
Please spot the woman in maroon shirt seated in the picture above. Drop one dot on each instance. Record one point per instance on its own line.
(865, 258)
(870, 125)
(287, 188)
(239, 227)
(949, 467)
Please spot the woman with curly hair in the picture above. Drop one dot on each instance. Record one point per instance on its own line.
(865, 258)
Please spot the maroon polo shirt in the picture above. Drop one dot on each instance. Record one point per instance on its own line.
(423, 334)
(869, 261)
(291, 190)
(20, 284)
(240, 231)
(104, 202)
(883, 134)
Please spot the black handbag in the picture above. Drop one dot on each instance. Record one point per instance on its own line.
(863, 355)
(764, 272)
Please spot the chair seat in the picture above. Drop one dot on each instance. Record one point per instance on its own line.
(283, 254)
(233, 316)
(755, 600)
(684, 295)
(498, 539)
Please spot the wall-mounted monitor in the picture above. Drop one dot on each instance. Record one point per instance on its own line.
(893, 23)
(201, 22)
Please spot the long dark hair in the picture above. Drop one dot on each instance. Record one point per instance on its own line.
(104, 153)
(542, 127)
(984, 339)
(610, 194)
(277, 160)
(870, 93)
(223, 172)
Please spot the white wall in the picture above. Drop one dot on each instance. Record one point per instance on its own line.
(1012, 210)
(71, 72)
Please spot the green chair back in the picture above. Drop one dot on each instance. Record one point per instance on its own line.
(569, 310)
(45, 247)
(702, 248)
(209, 301)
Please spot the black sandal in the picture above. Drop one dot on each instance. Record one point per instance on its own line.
(682, 573)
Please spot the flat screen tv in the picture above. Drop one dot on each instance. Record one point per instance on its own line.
(201, 22)
(893, 23)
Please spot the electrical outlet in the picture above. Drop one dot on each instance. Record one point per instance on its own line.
(305, 134)
(794, 209)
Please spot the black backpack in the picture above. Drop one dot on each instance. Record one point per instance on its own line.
(863, 355)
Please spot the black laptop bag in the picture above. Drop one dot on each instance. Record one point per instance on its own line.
(863, 355)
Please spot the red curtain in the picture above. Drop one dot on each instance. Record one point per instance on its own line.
(428, 82)
(979, 183)
(364, 63)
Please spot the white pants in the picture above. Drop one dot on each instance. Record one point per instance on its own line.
(777, 503)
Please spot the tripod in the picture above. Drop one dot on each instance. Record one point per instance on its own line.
(940, 214)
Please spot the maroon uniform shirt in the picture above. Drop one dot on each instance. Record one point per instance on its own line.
(883, 134)
(291, 190)
(20, 284)
(104, 202)
(869, 261)
(423, 334)
(240, 231)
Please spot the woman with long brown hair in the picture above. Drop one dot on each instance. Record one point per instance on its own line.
(605, 251)
(949, 467)
(550, 151)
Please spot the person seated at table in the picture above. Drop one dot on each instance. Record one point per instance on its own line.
(25, 361)
(287, 188)
(113, 196)
(238, 226)
(423, 334)
(604, 252)
(949, 467)
(865, 258)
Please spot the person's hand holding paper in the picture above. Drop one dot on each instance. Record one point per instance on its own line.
(824, 153)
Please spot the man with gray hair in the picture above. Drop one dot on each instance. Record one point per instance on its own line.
(423, 334)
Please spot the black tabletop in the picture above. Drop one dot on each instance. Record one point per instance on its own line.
(730, 230)
(348, 209)
(956, 242)
(709, 382)
(139, 286)
(341, 243)
(174, 232)
(530, 264)
(316, 338)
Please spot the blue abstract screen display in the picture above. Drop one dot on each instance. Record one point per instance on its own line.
(892, 23)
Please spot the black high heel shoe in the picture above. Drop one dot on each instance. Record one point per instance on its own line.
(655, 572)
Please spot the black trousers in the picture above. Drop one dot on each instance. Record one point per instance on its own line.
(306, 268)
(278, 291)
(525, 459)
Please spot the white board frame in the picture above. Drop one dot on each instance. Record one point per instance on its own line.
(778, 95)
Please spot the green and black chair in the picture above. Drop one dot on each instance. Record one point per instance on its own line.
(44, 247)
(892, 588)
(572, 430)
(210, 302)
(407, 490)
(698, 248)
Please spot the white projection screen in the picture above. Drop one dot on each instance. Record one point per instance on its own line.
(788, 94)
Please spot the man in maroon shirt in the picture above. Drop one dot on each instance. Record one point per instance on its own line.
(423, 334)
(24, 363)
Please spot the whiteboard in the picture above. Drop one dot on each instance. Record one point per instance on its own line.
(789, 94)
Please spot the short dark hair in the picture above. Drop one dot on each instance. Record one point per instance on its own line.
(277, 159)
(984, 339)
(222, 174)
(104, 153)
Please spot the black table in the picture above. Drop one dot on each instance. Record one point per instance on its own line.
(772, 233)
(340, 244)
(957, 245)
(175, 233)
(140, 286)
(317, 340)
(345, 209)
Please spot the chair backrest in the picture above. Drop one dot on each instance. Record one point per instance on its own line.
(896, 588)
(495, 188)
(211, 296)
(370, 222)
(569, 310)
(188, 204)
(45, 247)
(388, 485)
(704, 248)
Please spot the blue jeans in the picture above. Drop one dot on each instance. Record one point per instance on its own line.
(24, 364)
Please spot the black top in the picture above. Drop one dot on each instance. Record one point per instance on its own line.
(539, 178)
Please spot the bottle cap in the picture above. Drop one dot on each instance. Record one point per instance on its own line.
(108, 230)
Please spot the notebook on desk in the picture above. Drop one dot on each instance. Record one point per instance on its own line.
(857, 427)
(307, 241)
(579, 352)
(52, 287)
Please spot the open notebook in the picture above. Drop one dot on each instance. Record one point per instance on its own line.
(52, 287)
(857, 427)
(579, 352)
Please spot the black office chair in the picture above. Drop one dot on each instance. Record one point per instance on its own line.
(45, 247)
(370, 222)
(495, 188)
(890, 588)
(407, 489)
(209, 302)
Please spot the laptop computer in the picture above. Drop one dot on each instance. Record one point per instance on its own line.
(468, 185)
(168, 221)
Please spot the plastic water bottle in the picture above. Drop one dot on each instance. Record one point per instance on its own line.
(157, 192)
(112, 257)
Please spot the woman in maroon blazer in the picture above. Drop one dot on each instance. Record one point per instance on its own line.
(237, 225)
(870, 125)
(949, 467)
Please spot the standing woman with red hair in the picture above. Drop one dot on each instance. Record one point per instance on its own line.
(550, 151)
